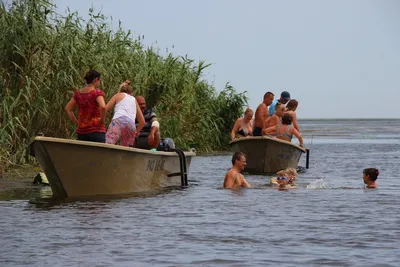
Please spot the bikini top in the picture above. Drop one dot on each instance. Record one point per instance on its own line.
(285, 134)
(243, 131)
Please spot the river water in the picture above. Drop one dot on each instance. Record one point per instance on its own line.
(330, 220)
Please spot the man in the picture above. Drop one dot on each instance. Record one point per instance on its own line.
(233, 178)
(285, 97)
(150, 136)
(262, 114)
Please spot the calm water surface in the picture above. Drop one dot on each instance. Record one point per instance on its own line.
(330, 220)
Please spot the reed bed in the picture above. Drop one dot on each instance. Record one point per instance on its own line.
(43, 57)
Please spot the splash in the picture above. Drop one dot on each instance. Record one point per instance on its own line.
(317, 184)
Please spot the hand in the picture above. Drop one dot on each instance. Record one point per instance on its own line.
(302, 145)
(151, 139)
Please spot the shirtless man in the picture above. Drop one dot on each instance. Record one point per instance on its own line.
(233, 178)
(262, 114)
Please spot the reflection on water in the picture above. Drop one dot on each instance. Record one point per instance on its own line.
(328, 220)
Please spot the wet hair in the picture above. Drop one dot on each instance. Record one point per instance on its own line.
(247, 111)
(281, 173)
(291, 171)
(287, 119)
(292, 104)
(267, 94)
(237, 156)
(91, 75)
(372, 173)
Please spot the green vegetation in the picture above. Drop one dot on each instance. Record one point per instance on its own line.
(44, 56)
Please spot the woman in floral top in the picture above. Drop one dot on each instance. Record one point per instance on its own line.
(91, 110)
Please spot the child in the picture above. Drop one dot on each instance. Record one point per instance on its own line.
(369, 176)
(274, 180)
(291, 174)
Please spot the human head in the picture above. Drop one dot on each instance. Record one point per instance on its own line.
(248, 115)
(92, 77)
(268, 98)
(239, 159)
(285, 97)
(282, 178)
(127, 82)
(126, 88)
(287, 119)
(292, 105)
(370, 174)
(279, 109)
(142, 102)
(291, 173)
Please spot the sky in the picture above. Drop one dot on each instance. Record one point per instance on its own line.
(338, 58)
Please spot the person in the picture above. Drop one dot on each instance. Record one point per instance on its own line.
(291, 174)
(262, 114)
(369, 177)
(285, 131)
(285, 97)
(233, 178)
(126, 110)
(91, 110)
(150, 136)
(275, 119)
(243, 126)
(291, 107)
(281, 181)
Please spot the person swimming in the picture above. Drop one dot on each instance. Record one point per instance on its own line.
(284, 179)
(369, 177)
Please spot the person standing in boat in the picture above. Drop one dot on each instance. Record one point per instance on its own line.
(262, 114)
(91, 110)
(291, 107)
(285, 97)
(233, 178)
(285, 130)
(243, 126)
(150, 136)
(126, 111)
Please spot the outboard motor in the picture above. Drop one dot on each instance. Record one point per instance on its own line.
(166, 144)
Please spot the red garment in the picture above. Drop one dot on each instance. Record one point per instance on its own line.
(88, 112)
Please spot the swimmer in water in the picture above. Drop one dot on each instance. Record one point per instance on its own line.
(233, 178)
(281, 181)
(291, 174)
(369, 176)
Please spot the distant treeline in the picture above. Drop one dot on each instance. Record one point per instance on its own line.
(44, 56)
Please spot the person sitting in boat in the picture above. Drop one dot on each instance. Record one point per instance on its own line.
(285, 97)
(150, 136)
(291, 107)
(243, 126)
(369, 177)
(262, 114)
(233, 178)
(91, 110)
(126, 111)
(276, 118)
(285, 131)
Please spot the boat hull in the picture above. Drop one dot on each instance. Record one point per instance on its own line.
(77, 168)
(266, 155)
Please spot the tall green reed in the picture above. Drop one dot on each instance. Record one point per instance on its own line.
(43, 57)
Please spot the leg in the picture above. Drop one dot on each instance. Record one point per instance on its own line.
(113, 133)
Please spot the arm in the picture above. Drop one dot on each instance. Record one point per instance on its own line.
(298, 136)
(235, 129)
(229, 180)
(270, 129)
(102, 108)
(140, 118)
(295, 124)
(111, 103)
(245, 183)
(68, 109)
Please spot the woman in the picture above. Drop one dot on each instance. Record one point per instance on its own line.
(275, 119)
(285, 131)
(126, 110)
(291, 109)
(91, 110)
(243, 126)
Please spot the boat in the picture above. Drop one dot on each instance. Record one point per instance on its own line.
(80, 169)
(267, 155)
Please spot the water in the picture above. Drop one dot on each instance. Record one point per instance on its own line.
(330, 220)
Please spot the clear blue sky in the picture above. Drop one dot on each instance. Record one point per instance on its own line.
(339, 58)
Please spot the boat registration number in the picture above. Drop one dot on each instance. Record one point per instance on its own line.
(155, 165)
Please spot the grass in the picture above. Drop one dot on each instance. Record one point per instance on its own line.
(44, 56)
